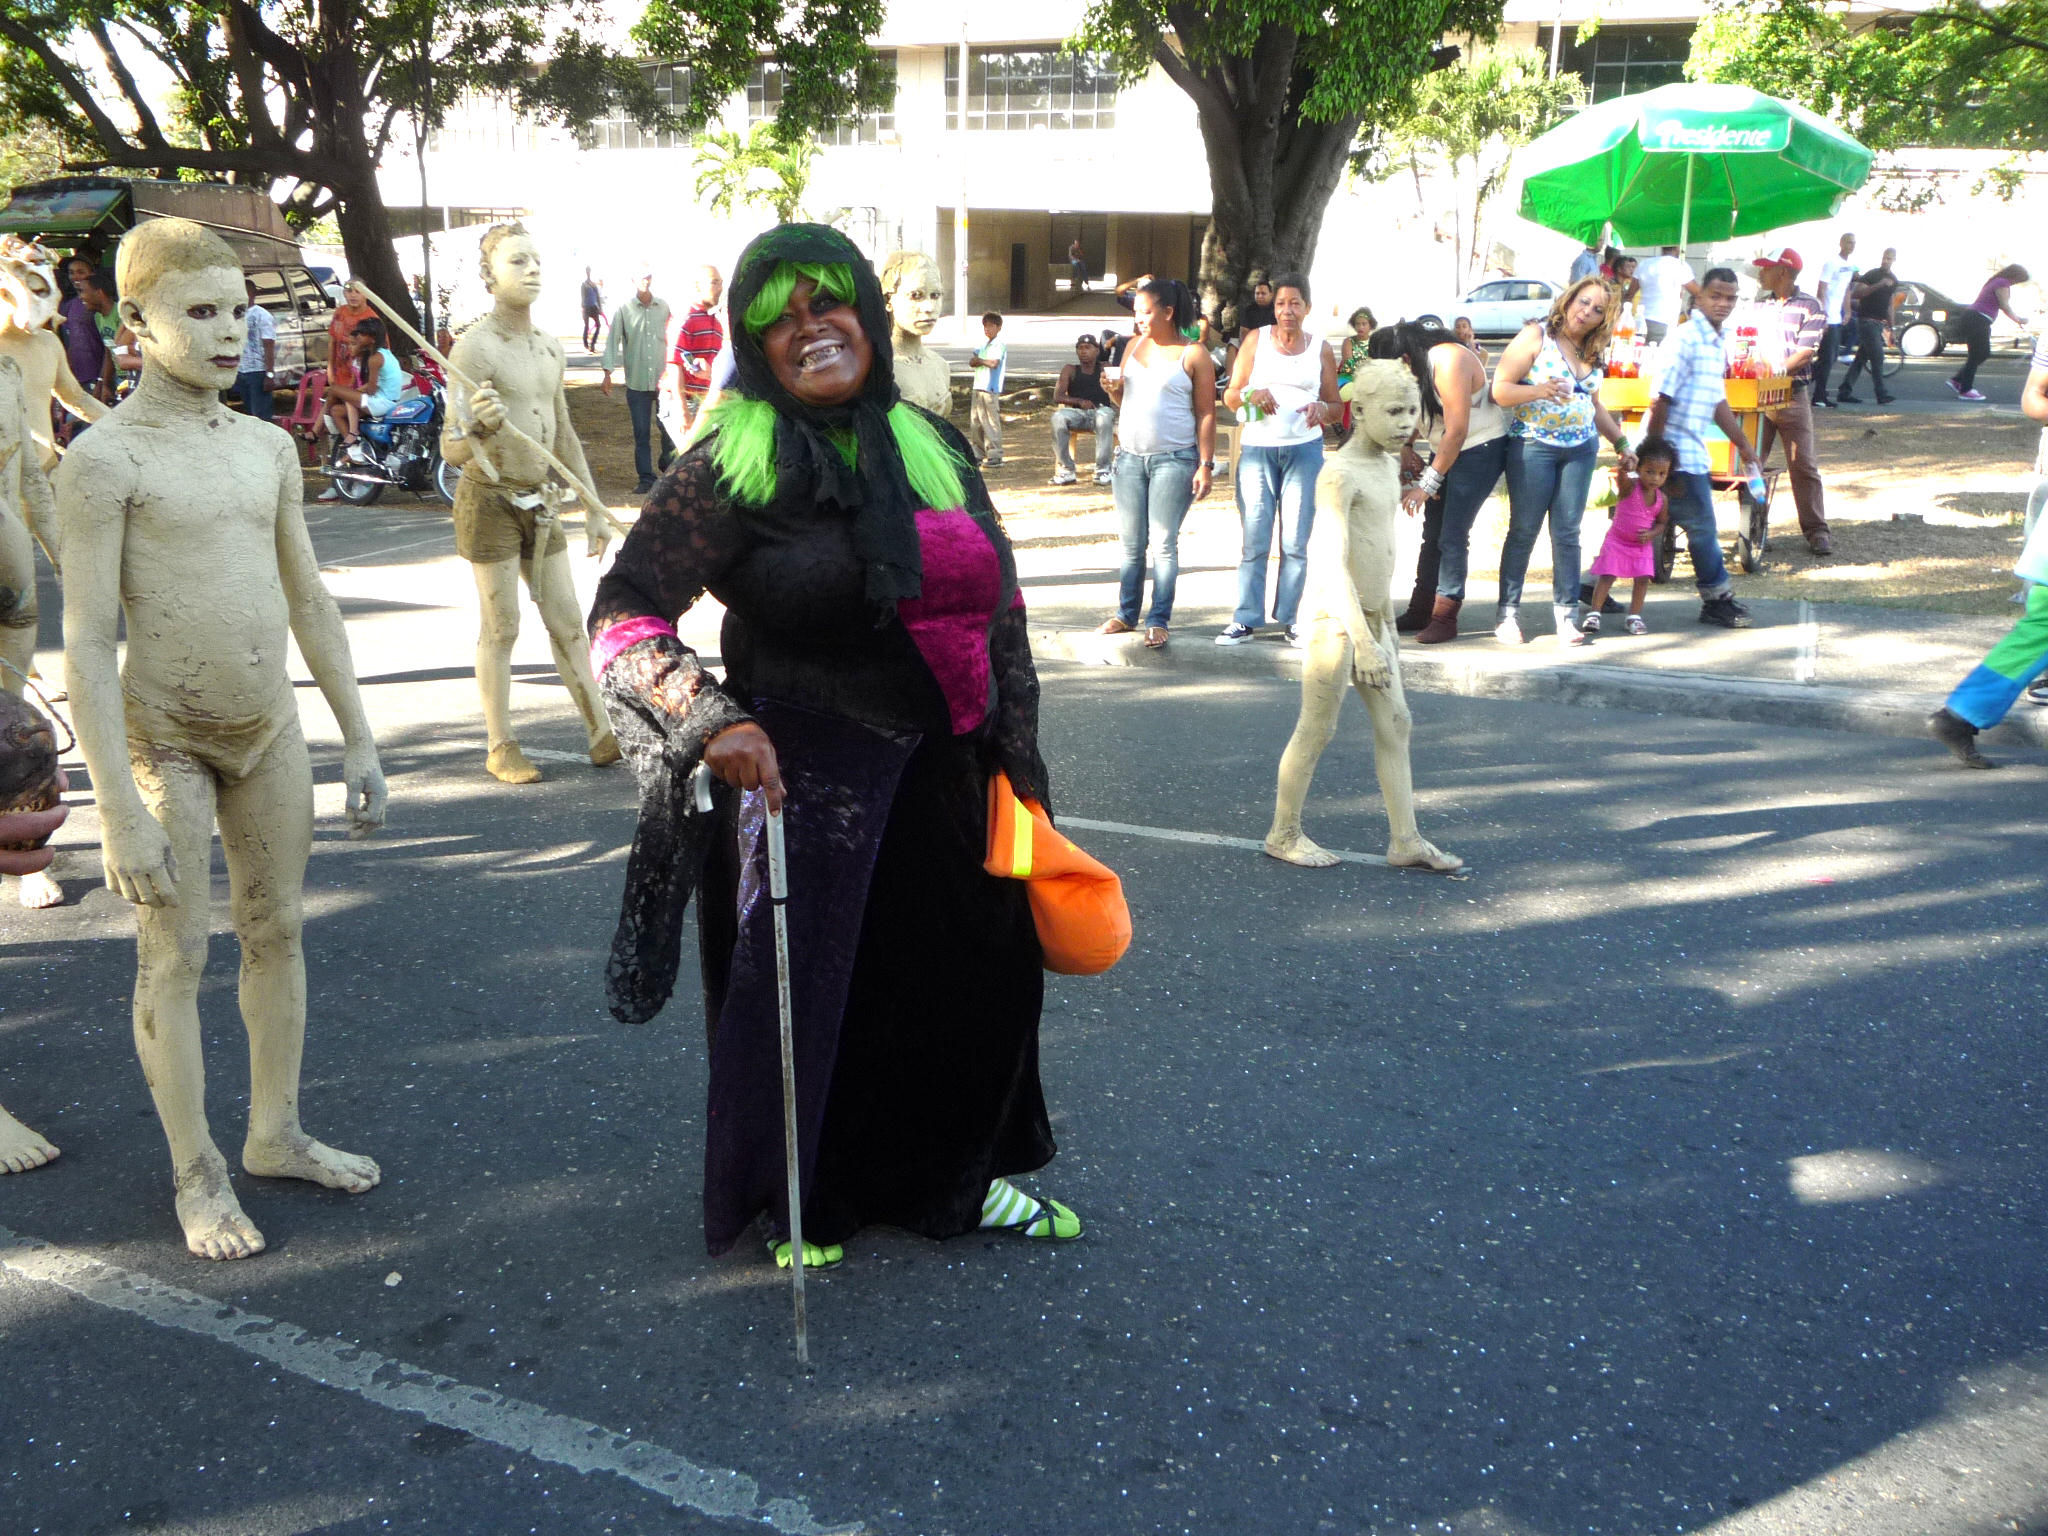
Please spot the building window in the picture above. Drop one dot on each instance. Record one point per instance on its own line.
(764, 100)
(1620, 61)
(486, 123)
(617, 130)
(1013, 89)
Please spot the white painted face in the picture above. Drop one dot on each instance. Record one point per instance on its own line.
(1386, 412)
(515, 269)
(192, 325)
(915, 304)
(28, 293)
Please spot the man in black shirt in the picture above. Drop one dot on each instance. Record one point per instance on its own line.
(1871, 298)
(1081, 405)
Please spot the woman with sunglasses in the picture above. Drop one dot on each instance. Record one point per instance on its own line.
(1548, 381)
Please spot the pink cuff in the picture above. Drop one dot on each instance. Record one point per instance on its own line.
(604, 650)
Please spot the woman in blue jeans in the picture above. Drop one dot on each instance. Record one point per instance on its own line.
(1467, 441)
(1284, 385)
(1165, 395)
(1549, 383)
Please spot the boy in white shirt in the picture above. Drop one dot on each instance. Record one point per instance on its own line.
(985, 415)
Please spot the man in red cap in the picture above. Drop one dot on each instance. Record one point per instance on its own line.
(1801, 320)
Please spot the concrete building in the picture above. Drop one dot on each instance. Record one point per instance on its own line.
(1044, 147)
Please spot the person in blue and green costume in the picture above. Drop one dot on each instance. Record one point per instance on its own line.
(878, 671)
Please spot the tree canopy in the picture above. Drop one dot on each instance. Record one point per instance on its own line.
(825, 67)
(1960, 75)
(1282, 89)
(1469, 120)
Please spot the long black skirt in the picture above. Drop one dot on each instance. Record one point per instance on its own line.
(916, 983)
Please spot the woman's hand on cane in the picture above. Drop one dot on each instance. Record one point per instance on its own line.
(744, 757)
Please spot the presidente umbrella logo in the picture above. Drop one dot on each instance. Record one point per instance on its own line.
(1688, 133)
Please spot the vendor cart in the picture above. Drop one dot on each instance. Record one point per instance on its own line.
(1628, 400)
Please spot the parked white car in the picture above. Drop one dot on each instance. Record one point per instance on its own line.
(1500, 307)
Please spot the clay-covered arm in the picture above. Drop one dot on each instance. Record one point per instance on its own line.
(1335, 563)
(135, 853)
(687, 536)
(599, 527)
(40, 507)
(2034, 398)
(76, 398)
(323, 641)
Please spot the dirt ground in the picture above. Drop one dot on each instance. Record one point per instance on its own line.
(1925, 509)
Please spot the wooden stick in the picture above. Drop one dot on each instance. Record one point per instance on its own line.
(585, 492)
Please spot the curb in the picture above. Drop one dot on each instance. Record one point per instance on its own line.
(1705, 696)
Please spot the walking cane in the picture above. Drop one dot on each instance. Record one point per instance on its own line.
(778, 901)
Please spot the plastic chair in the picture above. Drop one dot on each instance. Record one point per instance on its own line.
(304, 422)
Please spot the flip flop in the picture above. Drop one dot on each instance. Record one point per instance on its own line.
(830, 1256)
(1114, 627)
(1155, 636)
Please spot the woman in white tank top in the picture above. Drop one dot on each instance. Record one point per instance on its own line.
(1284, 388)
(1165, 395)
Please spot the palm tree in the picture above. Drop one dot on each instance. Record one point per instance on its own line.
(733, 172)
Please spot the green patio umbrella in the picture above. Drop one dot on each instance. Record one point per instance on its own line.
(1688, 162)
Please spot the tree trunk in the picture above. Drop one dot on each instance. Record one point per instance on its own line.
(372, 253)
(1271, 177)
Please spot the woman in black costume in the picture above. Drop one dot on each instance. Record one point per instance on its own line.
(878, 671)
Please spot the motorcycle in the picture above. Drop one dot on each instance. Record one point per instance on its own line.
(401, 449)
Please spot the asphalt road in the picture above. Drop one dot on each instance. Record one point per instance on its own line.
(1679, 1170)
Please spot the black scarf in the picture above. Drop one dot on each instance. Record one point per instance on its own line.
(808, 466)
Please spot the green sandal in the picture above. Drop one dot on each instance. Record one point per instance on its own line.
(1008, 1209)
(831, 1256)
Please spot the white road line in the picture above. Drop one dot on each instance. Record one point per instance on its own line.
(1807, 665)
(504, 1421)
(343, 565)
(1208, 839)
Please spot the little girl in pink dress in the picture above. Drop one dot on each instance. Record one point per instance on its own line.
(1639, 520)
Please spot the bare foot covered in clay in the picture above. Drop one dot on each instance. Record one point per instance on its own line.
(215, 1227)
(39, 890)
(1294, 848)
(605, 751)
(1420, 853)
(509, 765)
(21, 1148)
(301, 1157)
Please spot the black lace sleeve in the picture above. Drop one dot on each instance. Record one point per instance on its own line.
(1015, 727)
(1014, 730)
(686, 538)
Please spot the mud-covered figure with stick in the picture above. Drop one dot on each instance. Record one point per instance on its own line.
(509, 411)
(27, 518)
(31, 811)
(185, 519)
(28, 303)
(878, 671)
(1348, 608)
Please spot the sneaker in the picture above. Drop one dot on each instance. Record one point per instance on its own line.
(1586, 599)
(1823, 402)
(1725, 612)
(1636, 626)
(1590, 624)
(1970, 394)
(1846, 399)
(1297, 639)
(1064, 477)
(644, 488)
(992, 463)
(1102, 477)
(330, 494)
(2037, 692)
(1508, 631)
(1886, 399)
(1236, 634)
(1953, 387)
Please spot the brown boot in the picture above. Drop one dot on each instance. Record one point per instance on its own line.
(1443, 622)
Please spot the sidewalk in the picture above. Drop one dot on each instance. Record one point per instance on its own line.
(1878, 671)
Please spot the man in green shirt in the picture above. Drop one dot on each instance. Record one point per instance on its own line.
(639, 340)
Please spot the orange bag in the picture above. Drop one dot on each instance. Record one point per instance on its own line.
(1076, 901)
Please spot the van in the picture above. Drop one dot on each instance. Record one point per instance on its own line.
(87, 215)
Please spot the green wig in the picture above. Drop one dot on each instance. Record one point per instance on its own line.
(744, 448)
